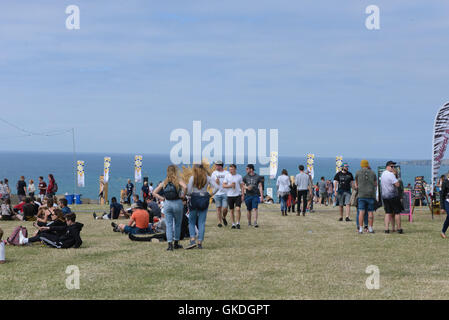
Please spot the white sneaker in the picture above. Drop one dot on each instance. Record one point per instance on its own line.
(21, 238)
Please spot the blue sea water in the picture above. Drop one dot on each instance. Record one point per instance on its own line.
(61, 165)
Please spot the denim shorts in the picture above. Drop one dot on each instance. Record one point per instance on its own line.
(252, 202)
(366, 204)
(135, 230)
(221, 200)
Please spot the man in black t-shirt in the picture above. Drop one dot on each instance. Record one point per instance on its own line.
(343, 181)
(253, 193)
(21, 188)
(129, 191)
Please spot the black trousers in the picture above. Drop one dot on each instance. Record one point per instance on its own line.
(302, 194)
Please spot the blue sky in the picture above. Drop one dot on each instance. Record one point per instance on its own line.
(136, 70)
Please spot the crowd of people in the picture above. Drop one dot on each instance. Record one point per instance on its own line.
(346, 190)
(176, 209)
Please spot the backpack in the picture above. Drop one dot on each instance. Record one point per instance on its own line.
(55, 188)
(170, 192)
(14, 238)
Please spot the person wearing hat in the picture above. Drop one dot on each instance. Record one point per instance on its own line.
(365, 184)
(390, 196)
(221, 197)
(343, 181)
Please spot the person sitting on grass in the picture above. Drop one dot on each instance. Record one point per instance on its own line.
(138, 224)
(63, 205)
(116, 211)
(2, 248)
(70, 238)
(7, 212)
(56, 222)
(153, 208)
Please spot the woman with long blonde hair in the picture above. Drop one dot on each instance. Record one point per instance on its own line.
(173, 191)
(199, 202)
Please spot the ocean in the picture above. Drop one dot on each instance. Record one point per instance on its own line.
(61, 165)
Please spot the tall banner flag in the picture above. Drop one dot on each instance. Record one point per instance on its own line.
(80, 171)
(107, 165)
(310, 161)
(138, 168)
(273, 164)
(338, 164)
(440, 140)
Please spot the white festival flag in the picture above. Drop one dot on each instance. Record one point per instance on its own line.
(440, 140)
(107, 165)
(138, 168)
(273, 164)
(338, 163)
(310, 161)
(80, 171)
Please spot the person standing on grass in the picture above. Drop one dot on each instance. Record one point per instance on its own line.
(173, 190)
(342, 189)
(145, 191)
(330, 192)
(21, 188)
(31, 188)
(199, 202)
(51, 188)
(233, 182)
(253, 191)
(365, 184)
(283, 188)
(129, 191)
(390, 196)
(6, 190)
(302, 182)
(221, 198)
(444, 204)
(292, 196)
(42, 186)
(322, 191)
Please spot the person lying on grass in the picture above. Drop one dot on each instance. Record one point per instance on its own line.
(69, 239)
(116, 211)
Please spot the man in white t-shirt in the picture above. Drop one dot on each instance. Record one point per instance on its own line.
(233, 182)
(390, 196)
(221, 197)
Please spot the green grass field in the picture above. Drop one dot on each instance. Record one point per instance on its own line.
(312, 257)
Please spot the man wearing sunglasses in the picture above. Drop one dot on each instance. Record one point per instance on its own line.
(343, 181)
(390, 196)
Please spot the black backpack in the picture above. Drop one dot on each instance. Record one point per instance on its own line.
(170, 192)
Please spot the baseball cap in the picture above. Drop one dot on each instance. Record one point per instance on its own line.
(219, 162)
(390, 163)
(345, 164)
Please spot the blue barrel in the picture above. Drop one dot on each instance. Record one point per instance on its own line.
(77, 199)
(69, 198)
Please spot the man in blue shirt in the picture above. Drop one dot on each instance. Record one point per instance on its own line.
(64, 208)
(129, 191)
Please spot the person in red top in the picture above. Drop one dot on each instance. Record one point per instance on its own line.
(51, 185)
(138, 224)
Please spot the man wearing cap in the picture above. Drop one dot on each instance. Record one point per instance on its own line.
(390, 196)
(220, 198)
(253, 193)
(342, 185)
(365, 184)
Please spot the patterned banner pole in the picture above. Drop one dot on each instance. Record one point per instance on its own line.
(338, 164)
(80, 170)
(310, 161)
(138, 168)
(273, 164)
(107, 165)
